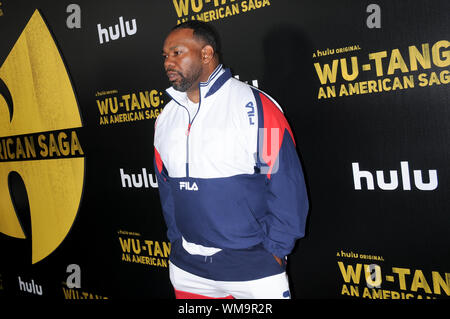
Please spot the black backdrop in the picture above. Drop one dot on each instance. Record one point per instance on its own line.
(367, 243)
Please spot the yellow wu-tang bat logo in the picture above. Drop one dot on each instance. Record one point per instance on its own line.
(37, 96)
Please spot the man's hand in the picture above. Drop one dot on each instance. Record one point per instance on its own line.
(278, 259)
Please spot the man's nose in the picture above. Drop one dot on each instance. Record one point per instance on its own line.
(168, 63)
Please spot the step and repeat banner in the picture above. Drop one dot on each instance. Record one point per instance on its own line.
(363, 84)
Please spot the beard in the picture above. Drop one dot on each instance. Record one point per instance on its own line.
(185, 82)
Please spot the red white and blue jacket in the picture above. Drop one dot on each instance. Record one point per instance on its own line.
(229, 176)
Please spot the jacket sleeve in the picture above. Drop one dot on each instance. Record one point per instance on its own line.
(165, 195)
(286, 193)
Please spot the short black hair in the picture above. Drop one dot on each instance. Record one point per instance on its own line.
(204, 32)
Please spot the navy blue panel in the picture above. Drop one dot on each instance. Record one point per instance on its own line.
(220, 212)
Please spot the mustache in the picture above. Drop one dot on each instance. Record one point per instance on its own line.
(173, 70)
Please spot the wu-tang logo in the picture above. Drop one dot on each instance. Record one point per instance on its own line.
(41, 158)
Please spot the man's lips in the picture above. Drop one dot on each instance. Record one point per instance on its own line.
(173, 75)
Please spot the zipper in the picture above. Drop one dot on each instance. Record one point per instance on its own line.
(188, 130)
(187, 140)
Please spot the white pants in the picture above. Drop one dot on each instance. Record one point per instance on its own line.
(272, 287)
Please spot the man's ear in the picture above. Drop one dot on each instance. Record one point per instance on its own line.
(207, 54)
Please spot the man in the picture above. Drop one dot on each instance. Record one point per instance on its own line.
(230, 181)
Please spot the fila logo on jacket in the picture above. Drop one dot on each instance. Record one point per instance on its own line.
(188, 186)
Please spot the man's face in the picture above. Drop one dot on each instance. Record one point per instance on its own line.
(182, 59)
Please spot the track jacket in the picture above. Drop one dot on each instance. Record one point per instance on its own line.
(228, 175)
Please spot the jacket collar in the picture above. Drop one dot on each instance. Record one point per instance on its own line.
(215, 81)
